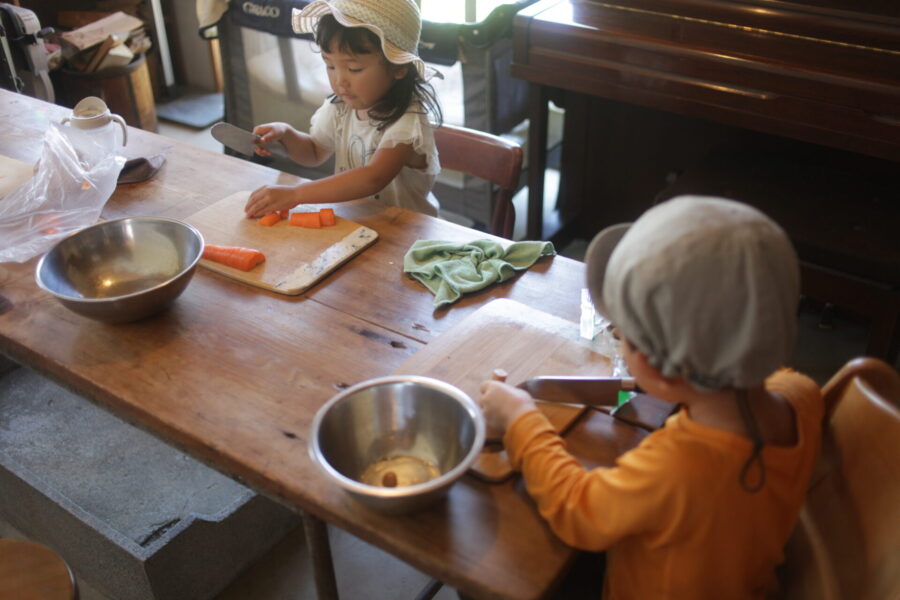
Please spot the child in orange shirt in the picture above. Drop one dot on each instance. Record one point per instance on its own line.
(704, 293)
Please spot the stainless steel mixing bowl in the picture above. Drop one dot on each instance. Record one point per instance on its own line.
(122, 270)
(381, 440)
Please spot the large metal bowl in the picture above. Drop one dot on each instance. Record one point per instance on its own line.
(397, 443)
(122, 270)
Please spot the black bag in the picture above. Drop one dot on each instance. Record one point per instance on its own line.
(8, 64)
(23, 58)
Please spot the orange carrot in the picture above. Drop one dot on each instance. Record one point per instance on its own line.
(284, 213)
(326, 215)
(270, 219)
(234, 256)
(306, 219)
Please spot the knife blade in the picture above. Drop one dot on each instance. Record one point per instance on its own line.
(243, 141)
(590, 391)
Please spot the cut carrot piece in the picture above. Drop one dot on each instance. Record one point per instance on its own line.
(234, 256)
(270, 219)
(306, 219)
(326, 216)
(284, 213)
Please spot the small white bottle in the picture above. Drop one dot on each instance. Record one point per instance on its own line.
(588, 316)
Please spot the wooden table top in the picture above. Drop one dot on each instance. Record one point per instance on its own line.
(233, 375)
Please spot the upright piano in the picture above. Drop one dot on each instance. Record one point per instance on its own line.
(825, 72)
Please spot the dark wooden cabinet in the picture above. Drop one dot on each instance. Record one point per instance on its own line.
(662, 95)
(825, 72)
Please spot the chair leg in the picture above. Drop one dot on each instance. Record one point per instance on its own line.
(884, 337)
(826, 317)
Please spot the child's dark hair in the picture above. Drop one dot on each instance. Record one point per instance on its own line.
(411, 88)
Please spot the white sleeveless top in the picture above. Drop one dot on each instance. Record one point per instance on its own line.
(354, 141)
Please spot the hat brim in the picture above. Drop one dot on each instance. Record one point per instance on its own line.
(597, 258)
(306, 19)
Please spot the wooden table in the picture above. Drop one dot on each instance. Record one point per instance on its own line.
(233, 375)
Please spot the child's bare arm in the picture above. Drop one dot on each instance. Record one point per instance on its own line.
(360, 182)
(300, 146)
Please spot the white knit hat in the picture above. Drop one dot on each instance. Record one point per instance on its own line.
(397, 24)
(706, 288)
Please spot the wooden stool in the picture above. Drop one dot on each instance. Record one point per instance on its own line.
(31, 571)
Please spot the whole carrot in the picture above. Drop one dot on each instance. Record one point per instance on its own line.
(244, 259)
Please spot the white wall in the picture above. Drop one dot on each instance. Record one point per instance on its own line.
(193, 63)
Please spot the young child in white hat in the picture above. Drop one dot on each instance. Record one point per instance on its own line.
(704, 294)
(377, 121)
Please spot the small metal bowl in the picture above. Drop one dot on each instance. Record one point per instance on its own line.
(397, 443)
(122, 270)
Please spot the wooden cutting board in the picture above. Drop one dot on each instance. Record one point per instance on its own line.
(296, 257)
(524, 342)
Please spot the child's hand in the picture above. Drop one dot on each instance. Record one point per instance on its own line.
(502, 404)
(268, 133)
(271, 198)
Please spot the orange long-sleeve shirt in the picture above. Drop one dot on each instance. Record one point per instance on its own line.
(672, 513)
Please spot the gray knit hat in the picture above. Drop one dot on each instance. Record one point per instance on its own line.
(706, 288)
(397, 24)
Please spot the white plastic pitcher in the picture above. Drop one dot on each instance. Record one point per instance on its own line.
(92, 114)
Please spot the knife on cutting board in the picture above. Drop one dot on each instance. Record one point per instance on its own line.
(243, 141)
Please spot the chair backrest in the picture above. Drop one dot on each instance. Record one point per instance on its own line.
(847, 542)
(488, 157)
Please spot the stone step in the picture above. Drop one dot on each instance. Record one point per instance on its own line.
(133, 516)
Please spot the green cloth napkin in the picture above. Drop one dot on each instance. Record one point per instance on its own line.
(451, 269)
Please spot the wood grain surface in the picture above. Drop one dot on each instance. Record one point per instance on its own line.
(296, 257)
(522, 341)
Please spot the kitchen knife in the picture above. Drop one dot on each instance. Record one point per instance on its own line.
(641, 410)
(243, 141)
(590, 391)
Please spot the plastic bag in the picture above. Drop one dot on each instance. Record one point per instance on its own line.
(74, 178)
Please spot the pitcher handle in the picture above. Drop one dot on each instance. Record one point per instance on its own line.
(121, 122)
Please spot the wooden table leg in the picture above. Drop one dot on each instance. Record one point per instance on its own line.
(537, 159)
(320, 551)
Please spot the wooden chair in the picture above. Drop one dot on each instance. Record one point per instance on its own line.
(847, 542)
(488, 157)
(32, 571)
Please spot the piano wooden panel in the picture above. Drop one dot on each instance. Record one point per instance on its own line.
(823, 72)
